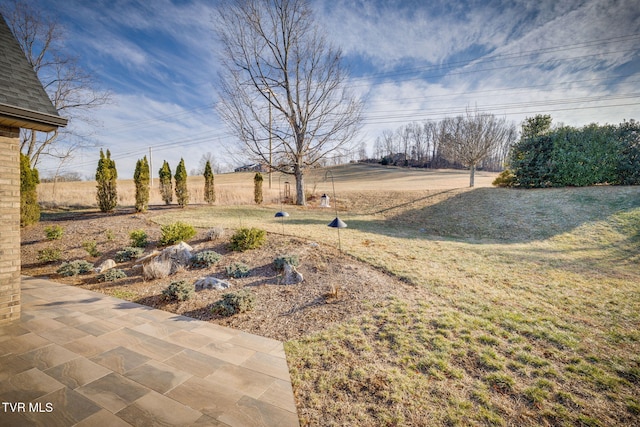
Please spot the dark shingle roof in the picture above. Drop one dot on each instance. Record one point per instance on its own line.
(22, 96)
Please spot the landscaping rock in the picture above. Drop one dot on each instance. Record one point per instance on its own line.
(291, 275)
(179, 254)
(106, 265)
(210, 282)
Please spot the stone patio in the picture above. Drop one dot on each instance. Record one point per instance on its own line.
(81, 358)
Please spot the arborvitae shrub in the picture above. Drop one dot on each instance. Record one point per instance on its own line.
(106, 179)
(29, 208)
(247, 238)
(205, 259)
(209, 186)
(182, 192)
(180, 291)
(141, 179)
(139, 239)
(166, 190)
(176, 232)
(236, 302)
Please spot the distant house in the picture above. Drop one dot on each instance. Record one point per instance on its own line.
(254, 167)
(23, 104)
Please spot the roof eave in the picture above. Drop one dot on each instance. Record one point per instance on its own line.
(29, 119)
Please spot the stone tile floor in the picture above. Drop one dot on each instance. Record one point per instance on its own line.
(80, 358)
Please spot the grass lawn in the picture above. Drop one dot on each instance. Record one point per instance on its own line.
(526, 308)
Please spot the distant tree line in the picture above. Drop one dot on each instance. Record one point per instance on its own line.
(568, 156)
(474, 140)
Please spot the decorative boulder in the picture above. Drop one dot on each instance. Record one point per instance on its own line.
(291, 275)
(179, 254)
(106, 265)
(210, 282)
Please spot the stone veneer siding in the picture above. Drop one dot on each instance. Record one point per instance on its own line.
(9, 224)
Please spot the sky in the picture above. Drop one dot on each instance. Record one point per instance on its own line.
(412, 60)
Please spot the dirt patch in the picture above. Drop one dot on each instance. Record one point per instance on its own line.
(336, 286)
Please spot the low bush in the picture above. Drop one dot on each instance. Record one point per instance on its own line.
(205, 259)
(156, 270)
(75, 268)
(180, 291)
(91, 247)
(216, 233)
(235, 302)
(505, 179)
(139, 239)
(53, 232)
(111, 275)
(282, 260)
(176, 232)
(247, 238)
(128, 253)
(238, 270)
(49, 255)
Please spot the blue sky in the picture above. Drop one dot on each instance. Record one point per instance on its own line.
(413, 60)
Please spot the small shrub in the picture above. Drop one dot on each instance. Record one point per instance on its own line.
(75, 268)
(216, 233)
(180, 291)
(247, 238)
(505, 179)
(156, 270)
(139, 239)
(53, 232)
(49, 255)
(281, 261)
(236, 302)
(176, 232)
(111, 275)
(127, 254)
(238, 270)
(109, 235)
(205, 259)
(91, 247)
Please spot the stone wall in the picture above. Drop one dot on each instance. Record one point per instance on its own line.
(9, 224)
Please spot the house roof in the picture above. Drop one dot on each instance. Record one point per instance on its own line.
(23, 101)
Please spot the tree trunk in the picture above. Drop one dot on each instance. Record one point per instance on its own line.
(300, 197)
(472, 175)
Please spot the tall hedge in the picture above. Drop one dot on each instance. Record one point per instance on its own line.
(106, 179)
(209, 186)
(141, 179)
(568, 156)
(182, 192)
(29, 180)
(166, 189)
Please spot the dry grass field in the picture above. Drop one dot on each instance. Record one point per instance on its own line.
(521, 307)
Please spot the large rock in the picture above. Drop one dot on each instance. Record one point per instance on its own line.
(210, 282)
(291, 275)
(106, 265)
(179, 254)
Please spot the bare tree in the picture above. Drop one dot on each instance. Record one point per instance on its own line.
(71, 89)
(283, 86)
(471, 138)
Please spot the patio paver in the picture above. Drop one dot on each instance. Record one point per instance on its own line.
(78, 357)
